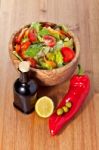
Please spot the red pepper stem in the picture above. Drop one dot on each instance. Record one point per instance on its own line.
(80, 71)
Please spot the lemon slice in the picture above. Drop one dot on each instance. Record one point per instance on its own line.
(44, 107)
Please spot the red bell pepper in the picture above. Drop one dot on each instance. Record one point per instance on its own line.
(77, 93)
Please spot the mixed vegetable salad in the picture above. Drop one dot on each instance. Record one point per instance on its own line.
(44, 45)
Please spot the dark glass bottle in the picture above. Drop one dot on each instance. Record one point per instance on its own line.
(25, 90)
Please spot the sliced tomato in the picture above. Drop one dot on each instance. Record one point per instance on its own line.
(68, 54)
(19, 37)
(32, 35)
(17, 48)
(32, 61)
(25, 45)
(49, 40)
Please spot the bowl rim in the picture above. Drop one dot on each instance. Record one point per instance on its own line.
(77, 51)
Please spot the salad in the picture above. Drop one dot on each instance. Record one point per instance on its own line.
(44, 45)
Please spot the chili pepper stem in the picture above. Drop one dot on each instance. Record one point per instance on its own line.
(80, 71)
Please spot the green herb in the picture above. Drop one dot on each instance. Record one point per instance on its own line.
(33, 50)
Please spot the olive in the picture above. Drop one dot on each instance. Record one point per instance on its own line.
(66, 109)
(60, 111)
(69, 104)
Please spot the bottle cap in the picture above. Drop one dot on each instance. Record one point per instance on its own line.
(24, 66)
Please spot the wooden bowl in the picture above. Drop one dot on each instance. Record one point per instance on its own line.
(54, 76)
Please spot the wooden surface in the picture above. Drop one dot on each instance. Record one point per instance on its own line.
(29, 132)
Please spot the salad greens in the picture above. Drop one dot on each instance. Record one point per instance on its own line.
(44, 45)
(33, 50)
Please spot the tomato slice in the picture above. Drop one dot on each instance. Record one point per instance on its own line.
(32, 62)
(49, 40)
(32, 35)
(68, 54)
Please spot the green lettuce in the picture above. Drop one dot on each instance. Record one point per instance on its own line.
(36, 26)
(46, 31)
(33, 50)
(58, 58)
(69, 43)
(59, 44)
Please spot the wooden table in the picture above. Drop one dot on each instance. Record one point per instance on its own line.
(29, 132)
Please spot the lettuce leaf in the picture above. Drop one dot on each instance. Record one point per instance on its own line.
(44, 31)
(33, 50)
(49, 31)
(58, 58)
(59, 44)
(36, 26)
(69, 43)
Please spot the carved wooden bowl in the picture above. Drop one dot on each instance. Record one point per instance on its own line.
(54, 76)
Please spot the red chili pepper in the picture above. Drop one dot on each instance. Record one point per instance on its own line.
(68, 54)
(32, 35)
(77, 93)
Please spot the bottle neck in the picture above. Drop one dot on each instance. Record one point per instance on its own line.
(24, 77)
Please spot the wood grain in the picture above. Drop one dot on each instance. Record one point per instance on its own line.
(29, 132)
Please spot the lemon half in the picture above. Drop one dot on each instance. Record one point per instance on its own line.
(44, 107)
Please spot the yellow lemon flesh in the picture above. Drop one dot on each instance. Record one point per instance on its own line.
(44, 107)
